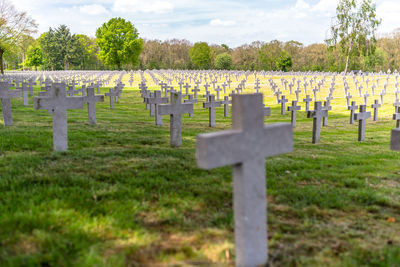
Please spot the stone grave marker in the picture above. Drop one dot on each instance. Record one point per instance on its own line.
(245, 147)
(317, 114)
(211, 104)
(361, 117)
(6, 95)
(175, 109)
(294, 108)
(91, 99)
(57, 104)
(376, 106)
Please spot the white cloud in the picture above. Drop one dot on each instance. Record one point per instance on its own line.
(389, 12)
(218, 22)
(92, 10)
(148, 6)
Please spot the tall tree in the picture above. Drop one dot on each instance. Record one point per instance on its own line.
(14, 25)
(60, 48)
(354, 28)
(34, 56)
(269, 54)
(119, 43)
(200, 55)
(223, 61)
(284, 62)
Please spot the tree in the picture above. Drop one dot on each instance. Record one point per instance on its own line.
(119, 43)
(14, 26)
(200, 54)
(284, 62)
(34, 56)
(269, 54)
(223, 61)
(60, 48)
(354, 29)
(245, 57)
(375, 61)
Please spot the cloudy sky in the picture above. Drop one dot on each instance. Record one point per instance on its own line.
(232, 22)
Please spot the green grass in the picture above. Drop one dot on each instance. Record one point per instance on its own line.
(122, 197)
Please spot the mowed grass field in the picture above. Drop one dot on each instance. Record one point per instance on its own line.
(122, 197)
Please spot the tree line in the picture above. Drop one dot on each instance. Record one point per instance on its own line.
(352, 46)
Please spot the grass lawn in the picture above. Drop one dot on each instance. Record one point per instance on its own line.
(122, 197)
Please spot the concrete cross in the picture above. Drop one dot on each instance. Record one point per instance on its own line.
(294, 108)
(257, 85)
(277, 94)
(206, 86)
(315, 90)
(317, 114)
(376, 106)
(91, 99)
(25, 90)
(308, 99)
(155, 100)
(180, 83)
(5, 95)
(361, 117)
(382, 94)
(226, 103)
(195, 90)
(217, 90)
(175, 109)
(352, 109)
(224, 87)
(211, 104)
(113, 94)
(186, 86)
(297, 92)
(57, 104)
(245, 147)
(327, 106)
(366, 95)
(283, 102)
(348, 97)
(190, 100)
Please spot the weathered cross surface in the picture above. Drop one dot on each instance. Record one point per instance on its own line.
(175, 109)
(283, 102)
(361, 117)
(211, 104)
(226, 103)
(245, 147)
(352, 109)
(57, 104)
(113, 94)
(5, 95)
(308, 99)
(294, 108)
(155, 100)
(317, 114)
(376, 106)
(91, 99)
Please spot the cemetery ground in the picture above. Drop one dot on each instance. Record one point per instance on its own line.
(120, 196)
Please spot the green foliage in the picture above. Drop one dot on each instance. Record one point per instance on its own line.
(119, 43)
(284, 61)
(375, 61)
(269, 54)
(89, 59)
(223, 61)
(34, 56)
(200, 55)
(354, 29)
(61, 49)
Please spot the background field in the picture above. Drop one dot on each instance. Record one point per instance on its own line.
(121, 196)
